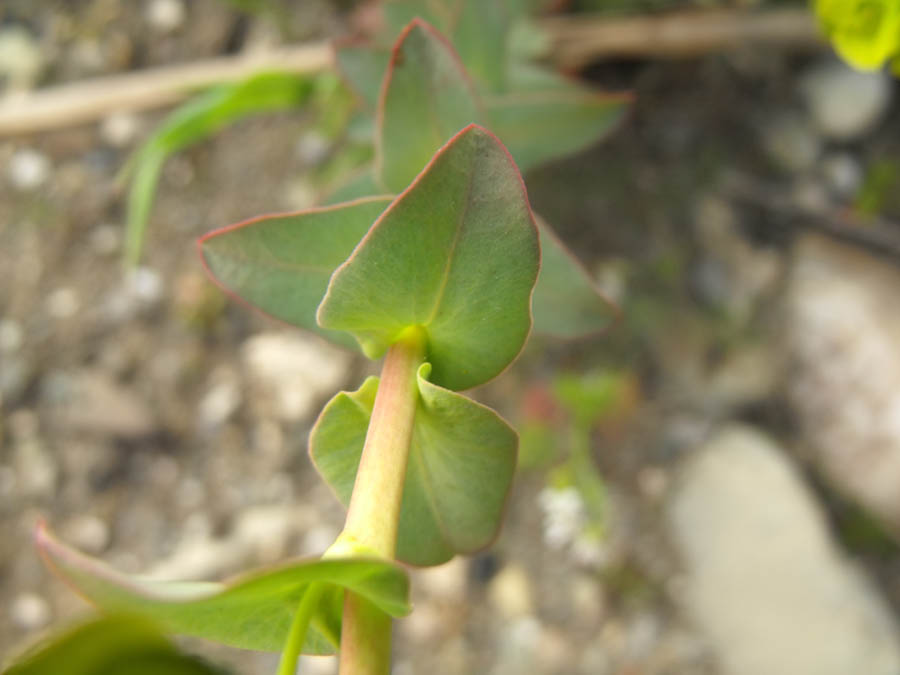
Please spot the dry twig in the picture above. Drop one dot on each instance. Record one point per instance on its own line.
(575, 41)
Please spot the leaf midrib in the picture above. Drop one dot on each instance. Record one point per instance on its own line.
(445, 280)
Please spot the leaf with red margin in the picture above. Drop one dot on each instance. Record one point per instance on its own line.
(252, 611)
(461, 464)
(541, 126)
(426, 97)
(457, 254)
(281, 263)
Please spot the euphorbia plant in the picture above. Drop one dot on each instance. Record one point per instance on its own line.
(438, 280)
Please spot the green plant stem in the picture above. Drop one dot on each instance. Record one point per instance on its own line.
(365, 638)
(299, 626)
(374, 513)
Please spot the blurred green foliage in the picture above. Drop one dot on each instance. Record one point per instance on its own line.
(866, 33)
(109, 645)
(196, 120)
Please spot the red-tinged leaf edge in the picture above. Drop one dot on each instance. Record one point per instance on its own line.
(233, 294)
(339, 44)
(388, 76)
(413, 185)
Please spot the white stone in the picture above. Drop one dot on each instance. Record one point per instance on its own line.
(166, 16)
(11, 336)
(843, 174)
(63, 303)
(146, 285)
(318, 665)
(295, 369)
(20, 58)
(222, 398)
(313, 148)
(120, 129)
(764, 581)
(447, 582)
(87, 533)
(106, 239)
(842, 332)
(28, 169)
(845, 104)
(30, 611)
(510, 592)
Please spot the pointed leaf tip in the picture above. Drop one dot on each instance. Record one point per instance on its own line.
(456, 253)
(425, 98)
(281, 263)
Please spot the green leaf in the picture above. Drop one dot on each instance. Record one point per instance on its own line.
(457, 253)
(480, 36)
(477, 29)
(282, 263)
(567, 303)
(399, 13)
(194, 121)
(461, 464)
(363, 67)
(425, 99)
(111, 645)
(253, 611)
(866, 33)
(541, 126)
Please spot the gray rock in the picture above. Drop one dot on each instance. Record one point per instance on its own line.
(293, 371)
(843, 329)
(764, 581)
(510, 593)
(11, 336)
(16, 372)
(20, 58)
(30, 611)
(63, 303)
(222, 398)
(28, 169)
(120, 129)
(845, 104)
(90, 402)
(791, 142)
(166, 16)
(843, 174)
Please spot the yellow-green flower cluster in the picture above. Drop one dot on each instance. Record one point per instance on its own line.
(866, 33)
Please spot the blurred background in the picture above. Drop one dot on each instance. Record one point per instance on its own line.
(712, 487)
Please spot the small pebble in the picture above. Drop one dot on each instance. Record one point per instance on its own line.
(88, 533)
(843, 174)
(318, 665)
(28, 169)
(63, 303)
(20, 58)
(312, 148)
(30, 611)
(11, 336)
(845, 104)
(146, 285)
(510, 592)
(166, 16)
(120, 129)
(106, 239)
